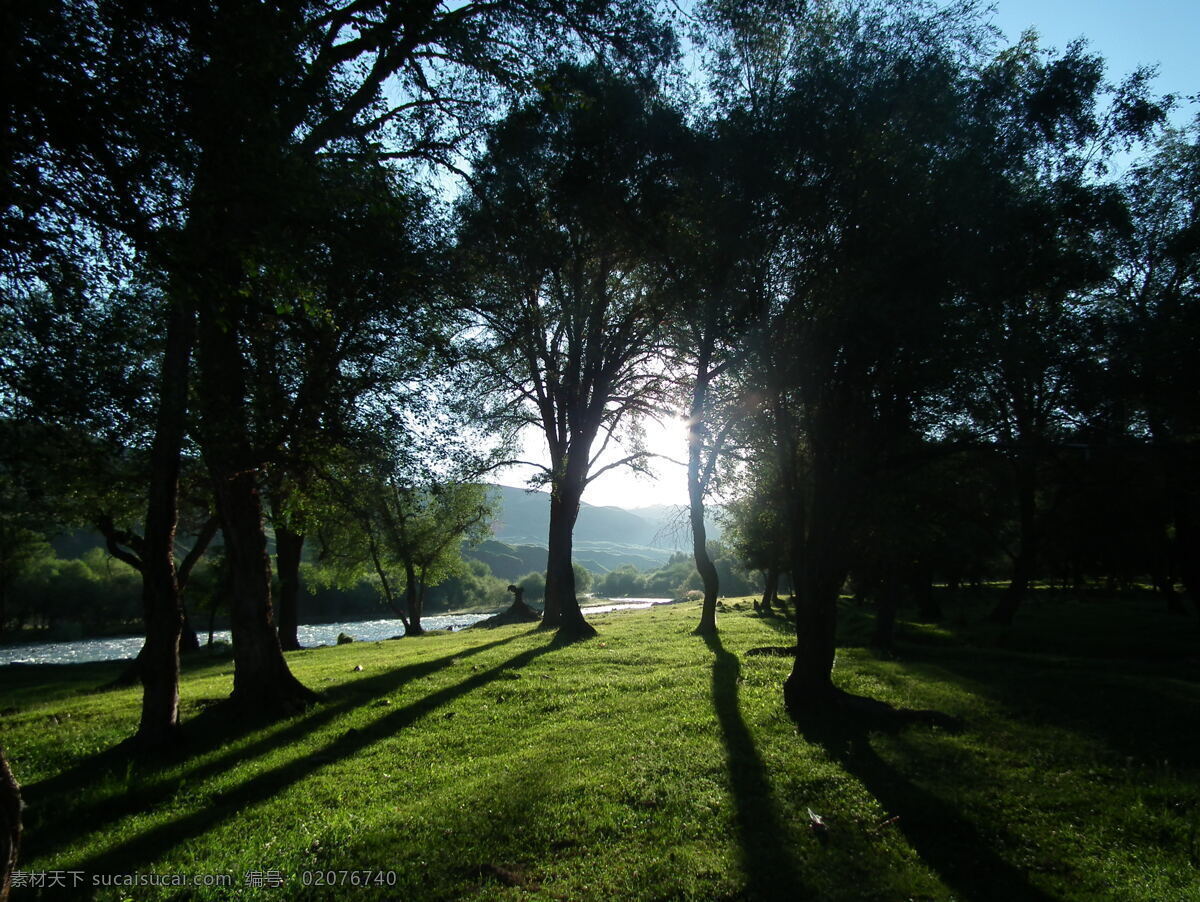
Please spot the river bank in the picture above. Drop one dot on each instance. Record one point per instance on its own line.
(120, 648)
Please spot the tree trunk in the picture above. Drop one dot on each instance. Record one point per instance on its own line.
(887, 602)
(695, 439)
(562, 606)
(412, 600)
(262, 682)
(809, 687)
(384, 583)
(289, 547)
(770, 590)
(10, 825)
(817, 574)
(704, 564)
(188, 640)
(162, 609)
(1179, 469)
(1026, 557)
(1165, 587)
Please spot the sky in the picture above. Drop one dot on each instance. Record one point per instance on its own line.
(1127, 34)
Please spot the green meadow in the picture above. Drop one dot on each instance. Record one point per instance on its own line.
(646, 763)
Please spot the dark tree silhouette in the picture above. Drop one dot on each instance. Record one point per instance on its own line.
(559, 246)
(1154, 329)
(185, 135)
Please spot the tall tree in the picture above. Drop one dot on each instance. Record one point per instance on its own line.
(353, 325)
(1052, 228)
(865, 117)
(1153, 327)
(86, 368)
(716, 252)
(564, 274)
(186, 132)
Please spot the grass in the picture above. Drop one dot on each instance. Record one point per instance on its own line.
(649, 764)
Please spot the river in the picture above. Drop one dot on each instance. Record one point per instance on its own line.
(118, 648)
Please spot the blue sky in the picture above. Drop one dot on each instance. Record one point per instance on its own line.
(1126, 33)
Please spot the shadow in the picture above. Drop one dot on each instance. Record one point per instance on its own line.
(138, 851)
(475, 855)
(954, 847)
(1143, 714)
(768, 863)
(210, 730)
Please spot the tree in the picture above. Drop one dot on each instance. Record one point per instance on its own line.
(558, 246)
(864, 117)
(184, 136)
(392, 525)
(1153, 329)
(716, 254)
(1052, 228)
(20, 549)
(753, 526)
(82, 379)
(532, 586)
(353, 328)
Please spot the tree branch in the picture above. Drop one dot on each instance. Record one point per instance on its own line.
(114, 538)
(201, 545)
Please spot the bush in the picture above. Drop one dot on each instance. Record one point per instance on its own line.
(534, 585)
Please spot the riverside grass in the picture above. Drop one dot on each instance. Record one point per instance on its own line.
(646, 763)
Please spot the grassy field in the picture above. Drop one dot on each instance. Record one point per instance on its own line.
(647, 764)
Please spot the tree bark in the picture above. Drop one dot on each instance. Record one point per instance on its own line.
(289, 548)
(162, 608)
(1179, 469)
(818, 572)
(704, 564)
(10, 825)
(384, 583)
(809, 687)
(262, 682)
(188, 640)
(412, 597)
(562, 610)
(770, 590)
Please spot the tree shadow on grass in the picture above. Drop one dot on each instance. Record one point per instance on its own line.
(212, 729)
(769, 864)
(1147, 717)
(954, 847)
(142, 849)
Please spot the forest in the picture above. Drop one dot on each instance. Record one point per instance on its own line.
(284, 284)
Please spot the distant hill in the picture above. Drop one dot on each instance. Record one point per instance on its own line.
(605, 537)
(509, 562)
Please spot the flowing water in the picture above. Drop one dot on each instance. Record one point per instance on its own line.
(118, 648)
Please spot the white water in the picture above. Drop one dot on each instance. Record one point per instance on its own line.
(126, 647)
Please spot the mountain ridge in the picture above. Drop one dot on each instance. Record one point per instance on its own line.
(606, 536)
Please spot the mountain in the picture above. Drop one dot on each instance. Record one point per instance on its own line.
(605, 537)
